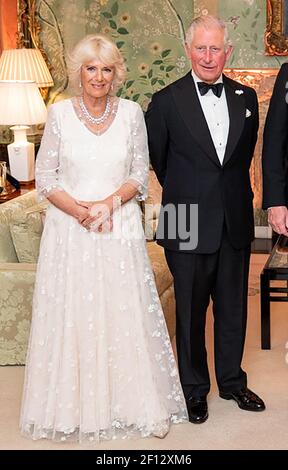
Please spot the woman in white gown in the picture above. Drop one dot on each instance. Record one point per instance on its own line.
(99, 363)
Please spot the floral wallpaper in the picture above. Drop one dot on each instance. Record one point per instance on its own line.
(246, 21)
(150, 35)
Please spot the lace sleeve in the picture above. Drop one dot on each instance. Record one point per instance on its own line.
(47, 162)
(139, 169)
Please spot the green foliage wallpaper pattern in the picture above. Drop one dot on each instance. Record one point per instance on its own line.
(246, 21)
(150, 35)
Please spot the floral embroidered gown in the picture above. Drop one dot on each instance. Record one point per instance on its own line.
(99, 363)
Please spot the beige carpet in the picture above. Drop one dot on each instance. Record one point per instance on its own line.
(228, 427)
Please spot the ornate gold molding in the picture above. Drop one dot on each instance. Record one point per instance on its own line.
(276, 43)
(262, 80)
(29, 27)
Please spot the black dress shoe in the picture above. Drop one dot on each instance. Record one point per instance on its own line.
(246, 399)
(197, 409)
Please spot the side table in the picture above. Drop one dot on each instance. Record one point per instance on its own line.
(275, 269)
(12, 192)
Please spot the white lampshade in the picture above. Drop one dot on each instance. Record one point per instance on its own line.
(25, 64)
(21, 103)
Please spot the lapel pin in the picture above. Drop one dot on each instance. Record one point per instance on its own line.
(239, 92)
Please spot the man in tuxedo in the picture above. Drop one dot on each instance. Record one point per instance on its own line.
(202, 131)
(275, 156)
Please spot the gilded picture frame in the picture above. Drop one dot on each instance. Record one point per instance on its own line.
(28, 25)
(276, 34)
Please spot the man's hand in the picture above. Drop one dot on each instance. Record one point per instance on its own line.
(278, 219)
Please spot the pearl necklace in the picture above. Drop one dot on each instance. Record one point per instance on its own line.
(92, 119)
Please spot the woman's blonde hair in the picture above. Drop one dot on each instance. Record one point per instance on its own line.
(95, 47)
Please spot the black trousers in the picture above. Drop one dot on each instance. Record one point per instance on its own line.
(223, 276)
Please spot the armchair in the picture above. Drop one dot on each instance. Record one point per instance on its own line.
(16, 286)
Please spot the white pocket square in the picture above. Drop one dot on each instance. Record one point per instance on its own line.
(248, 112)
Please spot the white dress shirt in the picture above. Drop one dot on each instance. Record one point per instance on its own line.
(217, 117)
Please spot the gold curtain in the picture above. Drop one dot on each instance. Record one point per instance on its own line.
(8, 24)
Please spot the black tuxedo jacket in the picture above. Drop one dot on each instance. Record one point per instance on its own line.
(275, 145)
(187, 166)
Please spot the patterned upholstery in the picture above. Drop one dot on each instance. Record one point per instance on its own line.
(20, 232)
(17, 283)
(26, 233)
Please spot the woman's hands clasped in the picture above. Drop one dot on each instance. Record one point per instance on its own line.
(97, 215)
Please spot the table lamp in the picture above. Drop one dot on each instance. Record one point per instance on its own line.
(21, 105)
(25, 64)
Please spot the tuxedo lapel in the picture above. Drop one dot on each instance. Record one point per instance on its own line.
(237, 110)
(189, 107)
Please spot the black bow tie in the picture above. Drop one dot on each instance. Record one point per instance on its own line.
(215, 87)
